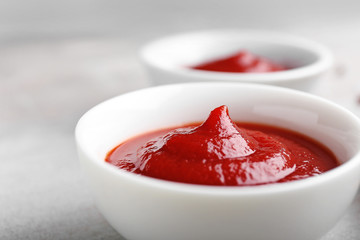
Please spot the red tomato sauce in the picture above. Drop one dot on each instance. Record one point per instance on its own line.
(241, 62)
(222, 152)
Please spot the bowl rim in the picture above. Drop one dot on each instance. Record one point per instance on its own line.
(324, 60)
(352, 163)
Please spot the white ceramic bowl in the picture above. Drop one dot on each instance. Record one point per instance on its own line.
(168, 60)
(144, 208)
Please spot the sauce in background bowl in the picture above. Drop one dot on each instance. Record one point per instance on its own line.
(241, 62)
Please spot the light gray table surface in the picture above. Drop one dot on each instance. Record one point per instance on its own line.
(47, 83)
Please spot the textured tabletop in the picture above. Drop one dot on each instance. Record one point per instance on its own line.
(48, 80)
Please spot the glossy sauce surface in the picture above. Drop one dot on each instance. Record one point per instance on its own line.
(221, 152)
(241, 62)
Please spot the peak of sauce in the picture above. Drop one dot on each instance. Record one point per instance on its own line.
(241, 62)
(218, 138)
(222, 152)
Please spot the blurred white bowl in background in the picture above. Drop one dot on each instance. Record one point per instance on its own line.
(169, 60)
